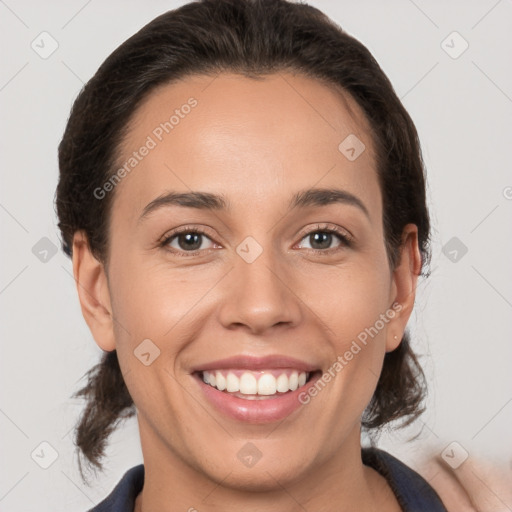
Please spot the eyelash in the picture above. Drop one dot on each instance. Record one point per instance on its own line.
(345, 239)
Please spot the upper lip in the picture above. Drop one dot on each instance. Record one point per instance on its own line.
(246, 362)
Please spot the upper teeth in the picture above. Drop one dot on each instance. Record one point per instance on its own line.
(252, 383)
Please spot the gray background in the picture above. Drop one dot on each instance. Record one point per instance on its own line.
(462, 108)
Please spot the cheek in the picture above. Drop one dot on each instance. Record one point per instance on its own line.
(165, 306)
(149, 308)
(152, 298)
(355, 306)
(353, 298)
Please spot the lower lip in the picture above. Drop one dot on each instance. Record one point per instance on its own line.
(274, 408)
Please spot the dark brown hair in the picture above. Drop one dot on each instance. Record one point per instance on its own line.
(252, 38)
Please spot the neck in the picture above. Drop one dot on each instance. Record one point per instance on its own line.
(342, 482)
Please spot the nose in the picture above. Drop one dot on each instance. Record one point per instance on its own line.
(259, 296)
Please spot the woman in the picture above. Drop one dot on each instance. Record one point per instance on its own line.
(242, 194)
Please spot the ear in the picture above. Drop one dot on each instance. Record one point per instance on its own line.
(93, 292)
(403, 288)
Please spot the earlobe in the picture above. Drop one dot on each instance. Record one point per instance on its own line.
(93, 292)
(405, 279)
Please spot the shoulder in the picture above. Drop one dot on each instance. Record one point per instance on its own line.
(412, 491)
(122, 497)
(476, 484)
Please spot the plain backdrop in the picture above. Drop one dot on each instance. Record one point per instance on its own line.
(461, 103)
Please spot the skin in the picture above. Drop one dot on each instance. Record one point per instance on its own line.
(479, 484)
(257, 142)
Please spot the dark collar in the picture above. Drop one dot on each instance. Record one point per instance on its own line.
(413, 493)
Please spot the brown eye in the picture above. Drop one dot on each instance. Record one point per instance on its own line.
(185, 240)
(189, 241)
(321, 239)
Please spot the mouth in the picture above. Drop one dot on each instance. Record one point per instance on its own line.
(255, 396)
(256, 385)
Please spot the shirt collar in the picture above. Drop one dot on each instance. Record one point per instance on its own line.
(413, 493)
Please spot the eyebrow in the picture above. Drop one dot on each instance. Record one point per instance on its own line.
(218, 202)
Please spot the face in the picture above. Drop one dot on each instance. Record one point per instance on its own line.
(265, 275)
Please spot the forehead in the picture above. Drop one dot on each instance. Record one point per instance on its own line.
(254, 140)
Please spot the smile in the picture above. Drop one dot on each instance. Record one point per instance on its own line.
(255, 397)
(253, 385)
